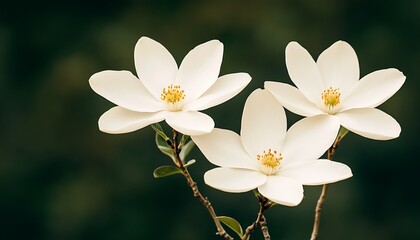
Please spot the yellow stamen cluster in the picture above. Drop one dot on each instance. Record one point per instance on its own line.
(270, 161)
(173, 96)
(331, 97)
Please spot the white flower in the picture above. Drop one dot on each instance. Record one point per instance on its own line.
(164, 92)
(268, 158)
(331, 86)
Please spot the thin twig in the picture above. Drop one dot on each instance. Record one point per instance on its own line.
(318, 212)
(264, 228)
(321, 200)
(204, 200)
(264, 205)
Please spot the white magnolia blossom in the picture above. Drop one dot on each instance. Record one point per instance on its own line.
(331, 86)
(164, 92)
(264, 156)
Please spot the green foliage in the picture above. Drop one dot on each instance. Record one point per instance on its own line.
(189, 163)
(183, 140)
(159, 131)
(232, 224)
(343, 132)
(186, 149)
(164, 171)
(163, 146)
(162, 141)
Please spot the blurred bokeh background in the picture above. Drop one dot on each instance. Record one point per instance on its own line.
(61, 178)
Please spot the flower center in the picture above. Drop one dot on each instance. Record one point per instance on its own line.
(331, 100)
(269, 161)
(173, 96)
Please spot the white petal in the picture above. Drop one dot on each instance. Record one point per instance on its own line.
(370, 123)
(234, 180)
(120, 120)
(155, 65)
(224, 148)
(225, 88)
(339, 67)
(308, 139)
(292, 99)
(374, 89)
(200, 69)
(318, 172)
(282, 190)
(304, 72)
(263, 123)
(190, 123)
(124, 89)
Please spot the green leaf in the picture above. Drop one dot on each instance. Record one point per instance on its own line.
(164, 171)
(183, 140)
(191, 162)
(186, 149)
(343, 132)
(163, 146)
(232, 224)
(158, 129)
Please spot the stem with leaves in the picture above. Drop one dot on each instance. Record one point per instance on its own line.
(177, 151)
(321, 200)
(193, 185)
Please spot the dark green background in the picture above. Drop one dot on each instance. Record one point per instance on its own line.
(61, 178)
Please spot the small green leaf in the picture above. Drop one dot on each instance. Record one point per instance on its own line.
(343, 132)
(158, 129)
(191, 162)
(256, 193)
(232, 224)
(186, 149)
(164, 171)
(163, 146)
(183, 140)
(157, 126)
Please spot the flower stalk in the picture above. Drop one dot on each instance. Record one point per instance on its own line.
(321, 200)
(193, 185)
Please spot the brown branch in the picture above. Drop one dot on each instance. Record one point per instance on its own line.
(264, 205)
(318, 209)
(204, 200)
(264, 228)
(321, 200)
